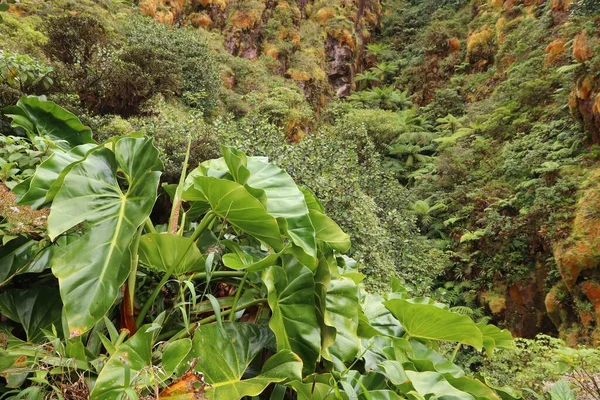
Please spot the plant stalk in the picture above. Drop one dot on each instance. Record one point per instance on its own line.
(238, 294)
(218, 274)
(185, 332)
(176, 209)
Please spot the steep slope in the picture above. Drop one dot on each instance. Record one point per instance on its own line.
(512, 89)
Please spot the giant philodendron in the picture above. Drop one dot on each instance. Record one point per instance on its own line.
(92, 269)
(247, 243)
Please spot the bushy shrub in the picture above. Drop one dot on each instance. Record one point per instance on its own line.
(23, 73)
(75, 39)
(188, 51)
(137, 74)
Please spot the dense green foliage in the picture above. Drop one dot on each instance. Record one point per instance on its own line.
(455, 142)
(253, 263)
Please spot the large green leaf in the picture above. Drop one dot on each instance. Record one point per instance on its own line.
(128, 367)
(20, 256)
(494, 337)
(237, 164)
(49, 177)
(36, 308)
(562, 391)
(425, 358)
(377, 317)
(92, 268)
(169, 252)
(291, 296)
(44, 118)
(341, 312)
(474, 387)
(232, 202)
(326, 230)
(426, 321)
(224, 354)
(432, 383)
(174, 355)
(285, 201)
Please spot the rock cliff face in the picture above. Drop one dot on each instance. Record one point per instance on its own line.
(318, 44)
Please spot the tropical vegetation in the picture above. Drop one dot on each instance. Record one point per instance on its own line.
(313, 186)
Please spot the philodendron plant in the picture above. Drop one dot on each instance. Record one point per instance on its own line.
(245, 291)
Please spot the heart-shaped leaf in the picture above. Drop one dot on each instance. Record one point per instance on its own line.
(224, 354)
(426, 321)
(92, 269)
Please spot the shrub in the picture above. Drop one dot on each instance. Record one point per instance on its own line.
(75, 39)
(186, 49)
(24, 73)
(134, 76)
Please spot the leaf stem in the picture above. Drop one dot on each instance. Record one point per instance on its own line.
(455, 352)
(218, 274)
(201, 227)
(204, 223)
(148, 225)
(121, 338)
(187, 331)
(238, 293)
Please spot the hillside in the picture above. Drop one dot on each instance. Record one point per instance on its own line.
(456, 142)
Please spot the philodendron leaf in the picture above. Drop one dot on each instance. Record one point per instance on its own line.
(432, 383)
(225, 354)
(49, 176)
(494, 337)
(474, 387)
(174, 354)
(169, 252)
(44, 118)
(20, 256)
(378, 320)
(274, 188)
(326, 230)
(284, 201)
(237, 163)
(341, 312)
(426, 321)
(36, 308)
(291, 297)
(132, 359)
(232, 202)
(91, 269)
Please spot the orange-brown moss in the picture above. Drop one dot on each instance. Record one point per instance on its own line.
(496, 3)
(581, 48)
(596, 106)
(201, 20)
(149, 7)
(494, 299)
(244, 19)
(271, 50)
(344, 37)
(324, 15)
(301, 76)
(561, 5)
(591, 289)
(454, 44)
(584, 86)
(480, 45)
(555, 50)
(219, 3)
